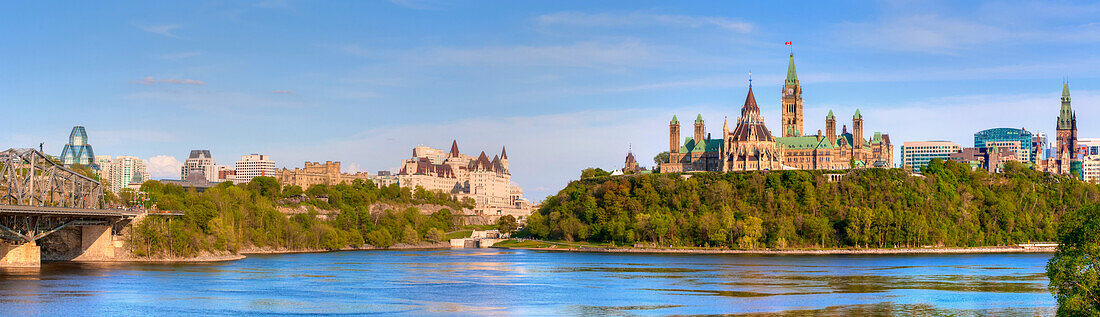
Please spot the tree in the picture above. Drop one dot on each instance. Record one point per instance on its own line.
(594, 172)
(507, 224)
(292, 191)
(661, 158)
(1074, 271)
(435, 235)
(266, 186)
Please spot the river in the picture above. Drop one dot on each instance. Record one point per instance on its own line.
(520, 282)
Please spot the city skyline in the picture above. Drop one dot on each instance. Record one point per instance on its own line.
(563, 86)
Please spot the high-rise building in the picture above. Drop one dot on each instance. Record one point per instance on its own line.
(251, 166)
(199, 162)
(915, 155)
(1067, 135)
(78, 151)
(1039, 147)
(1089, 147)
(123, 172)
(1019, 141)
(1091, 169)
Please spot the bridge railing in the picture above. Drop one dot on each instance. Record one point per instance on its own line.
(30, 178)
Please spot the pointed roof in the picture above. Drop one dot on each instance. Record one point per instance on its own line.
(674, 120)
(454, 148)
(503, 153)
(750, 104)
(792, 76)
(1066, 115)
(857, 116)
(830, 116)
(699, 119)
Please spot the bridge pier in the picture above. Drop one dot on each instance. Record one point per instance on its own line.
(96, 244)
(20, 255)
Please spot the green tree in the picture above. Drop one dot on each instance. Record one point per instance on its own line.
(661, 158)
(1074, 271)
(594, 172)
(507, 224)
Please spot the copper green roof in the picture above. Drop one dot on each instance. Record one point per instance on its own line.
(713, 145)
(1065, 116)
(858, 116)
(674, 120)
(830, 116)
(699, 118)
(792, 76)
(803, 142)
(877, 138)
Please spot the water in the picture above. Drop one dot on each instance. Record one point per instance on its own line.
(518, 282)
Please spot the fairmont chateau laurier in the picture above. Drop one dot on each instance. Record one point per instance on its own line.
(751, 146)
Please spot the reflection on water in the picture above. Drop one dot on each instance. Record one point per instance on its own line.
(516, 282)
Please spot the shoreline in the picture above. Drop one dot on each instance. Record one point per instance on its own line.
(883, 251)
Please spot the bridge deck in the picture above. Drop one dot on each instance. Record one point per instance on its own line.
(62, 211)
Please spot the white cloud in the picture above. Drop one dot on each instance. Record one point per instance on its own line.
(928, 33)
(180, 55)
(581, 19)
(164, 29)
(164, 167)
(582, 54)
(149, 81)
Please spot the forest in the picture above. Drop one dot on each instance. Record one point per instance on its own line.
(950, 205)
(232, 218)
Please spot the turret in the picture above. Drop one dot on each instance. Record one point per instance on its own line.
(673, 135)
(830, 127)
(700, 129)
(504, 157)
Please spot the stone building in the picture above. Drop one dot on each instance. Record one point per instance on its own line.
(989, 158)
(1066, 136)
(487, 182)
(750, 146)
(327, 173)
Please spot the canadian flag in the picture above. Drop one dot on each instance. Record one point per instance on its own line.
(788, 43)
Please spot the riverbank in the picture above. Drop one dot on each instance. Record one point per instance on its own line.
(551, 246)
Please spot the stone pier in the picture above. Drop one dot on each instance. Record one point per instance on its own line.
(20, 255)
(96, 244)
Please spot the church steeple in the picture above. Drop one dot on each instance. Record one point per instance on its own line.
(792, 76)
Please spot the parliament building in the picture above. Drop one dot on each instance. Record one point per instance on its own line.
(751, 146)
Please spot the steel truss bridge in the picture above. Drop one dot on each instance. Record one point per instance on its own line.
(39, 196)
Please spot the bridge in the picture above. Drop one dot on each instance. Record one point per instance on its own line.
(39, 197)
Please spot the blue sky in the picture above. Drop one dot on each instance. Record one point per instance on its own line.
(563, 84)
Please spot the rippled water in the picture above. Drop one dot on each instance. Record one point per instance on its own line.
(517, 282)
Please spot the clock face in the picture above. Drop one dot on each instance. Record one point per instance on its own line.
(790, 91)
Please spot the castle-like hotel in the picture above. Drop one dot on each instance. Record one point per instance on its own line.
(751, 146)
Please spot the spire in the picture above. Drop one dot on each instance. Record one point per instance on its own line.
(454, 148)
(1065, 115)
(725, 126)
(674, 120)
(830, 116)
(750, 110)
(857, 116)
(699, 118)
(503, 153)
(792, 76)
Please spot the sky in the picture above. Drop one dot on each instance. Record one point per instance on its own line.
(564, 85)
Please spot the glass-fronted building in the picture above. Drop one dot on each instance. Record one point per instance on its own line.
(78, 151)
(915, 155)
(1018, 140)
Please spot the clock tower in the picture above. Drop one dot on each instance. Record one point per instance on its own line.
(792, 102)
